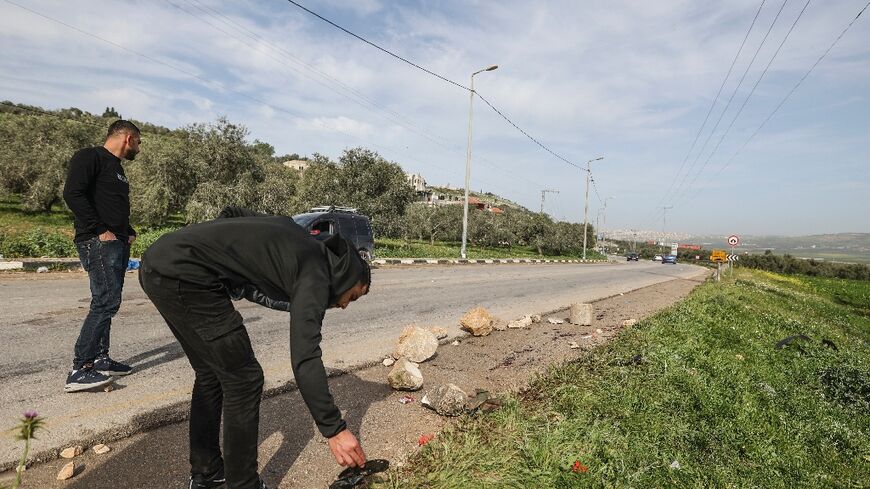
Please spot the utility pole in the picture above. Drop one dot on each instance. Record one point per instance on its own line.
(543, 192)
(586, 203)
(462, 253)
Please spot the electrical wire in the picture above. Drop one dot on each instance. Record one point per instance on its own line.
(441, 77)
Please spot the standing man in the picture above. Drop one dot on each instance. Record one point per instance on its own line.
(98, 194)
(192, 274)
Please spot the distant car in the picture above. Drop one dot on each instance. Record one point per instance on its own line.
(323, 222)
(669, 259)
(657, 258)
(631, 257)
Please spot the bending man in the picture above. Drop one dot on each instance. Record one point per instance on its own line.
(192, 274)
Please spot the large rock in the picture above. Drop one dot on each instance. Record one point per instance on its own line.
(71, 452)
(67, 471)
(477, 321)
(581, 314)
(446, 400)
(405, 376)
(416, 344)
(523, 322)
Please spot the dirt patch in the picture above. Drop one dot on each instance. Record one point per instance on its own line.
(292, 453)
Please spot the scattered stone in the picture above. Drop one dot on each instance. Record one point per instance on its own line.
(555, 321)
(739, 357)
(405, 376)
(446, 400)
(573, 345)
(599, 331)
(42, 270)
(523, 322)
(675, 465)
(388, 361)
(499, 324)
(581, 314)
(416, 344)
(100, 449)
(455, 343)
(480, 397)
(439, 332)
(109, 387)
(536, 318)
(70, 452)
(629, 322)
(67, 471)
(477, 321)
(585, 336)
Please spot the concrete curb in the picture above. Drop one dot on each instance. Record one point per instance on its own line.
(480, 261)
(74, 264)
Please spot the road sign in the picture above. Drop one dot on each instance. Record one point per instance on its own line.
(733, 257)
(733, 240)
(718, 256)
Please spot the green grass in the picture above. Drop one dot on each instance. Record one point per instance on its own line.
(15, 220)
(397, 248)
(700, 383)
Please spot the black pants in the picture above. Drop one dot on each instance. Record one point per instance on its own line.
(228, 377)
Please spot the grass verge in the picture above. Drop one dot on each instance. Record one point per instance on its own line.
(695, 396)
(397, 248)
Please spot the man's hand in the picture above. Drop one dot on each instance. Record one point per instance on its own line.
(347, 450)
(108, 236)
(131, 239)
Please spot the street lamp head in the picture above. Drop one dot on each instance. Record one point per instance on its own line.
(493, 67)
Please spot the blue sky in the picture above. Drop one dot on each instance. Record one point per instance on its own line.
(629, 80)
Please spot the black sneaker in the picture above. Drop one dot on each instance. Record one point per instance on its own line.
(200, 481)
(107, 366)
(85, 378)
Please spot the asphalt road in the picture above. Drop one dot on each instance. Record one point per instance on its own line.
(41, 316)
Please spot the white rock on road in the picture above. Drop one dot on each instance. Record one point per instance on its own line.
(477, 321)
(416, 344)
(405, 376)
(446, 400)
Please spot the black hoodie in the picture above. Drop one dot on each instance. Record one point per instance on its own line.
(273, 261)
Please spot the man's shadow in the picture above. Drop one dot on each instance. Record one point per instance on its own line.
(159, 458)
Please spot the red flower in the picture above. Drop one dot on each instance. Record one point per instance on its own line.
(579, 467)
(424, 439)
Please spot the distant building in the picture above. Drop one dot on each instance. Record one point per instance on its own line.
(416, 181)
(298, 165)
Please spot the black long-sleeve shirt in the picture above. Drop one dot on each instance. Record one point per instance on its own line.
(98, 194)
(268, 256)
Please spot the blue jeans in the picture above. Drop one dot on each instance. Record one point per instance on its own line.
(106, 263)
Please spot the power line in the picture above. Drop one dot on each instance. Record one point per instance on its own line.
(398, 119)
(208, 83)
(441, 77)
(712, 104)
(751, 92)
(724, 110)
(789, 94)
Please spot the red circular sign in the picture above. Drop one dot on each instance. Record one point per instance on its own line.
(733, 240)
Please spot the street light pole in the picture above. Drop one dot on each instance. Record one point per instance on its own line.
(586, 203)
(462, 251)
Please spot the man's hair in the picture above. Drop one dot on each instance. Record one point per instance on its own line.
(121, 126)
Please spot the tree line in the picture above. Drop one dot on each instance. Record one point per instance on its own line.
(187, 175)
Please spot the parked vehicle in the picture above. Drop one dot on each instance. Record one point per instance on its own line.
(672, 259)
(323, 222)
(657, 258)
(631, 257)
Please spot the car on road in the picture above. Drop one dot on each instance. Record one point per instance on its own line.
(631, 257)
(657, 258)
(672, 259)
(323, 222)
